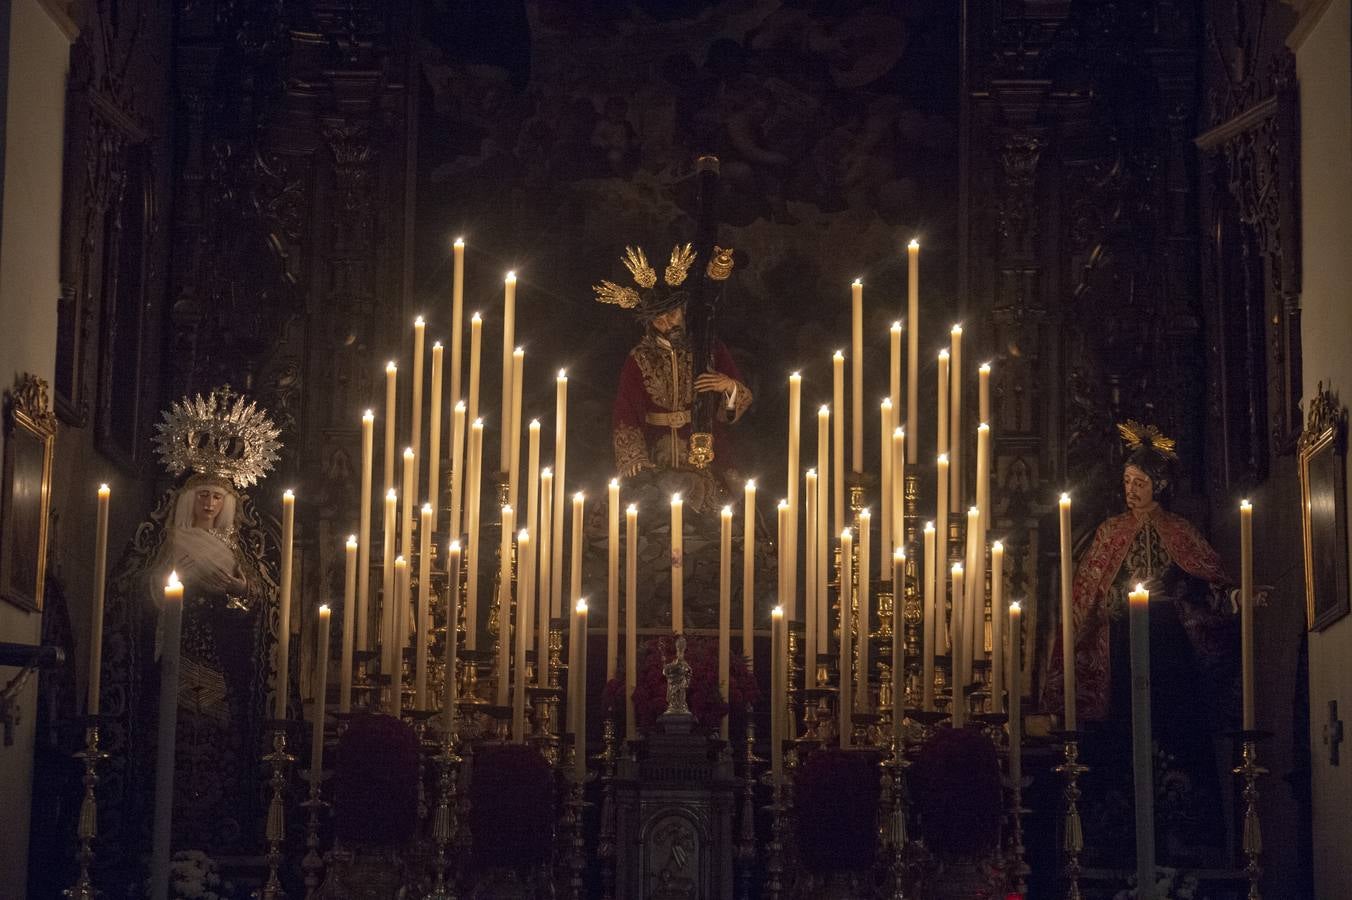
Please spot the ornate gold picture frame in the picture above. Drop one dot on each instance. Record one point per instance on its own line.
(1323, 510)
(26, 493)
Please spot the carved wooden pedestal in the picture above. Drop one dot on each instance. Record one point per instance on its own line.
(674, 817)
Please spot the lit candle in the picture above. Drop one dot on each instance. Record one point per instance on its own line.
(861, 631)
(514, 435)
(778, 696)
(398, 635)
(543, 574)
(321, 686)
(580, 698)
(912, 344)
(612, 578)
(630, 618)
(885, 488)
(845, 662)
(942, 635)
(960, 669)
(458, 421)
(504, 603)
(100, 588)
(857, 377)
(1142, 747)
(171, 629)
(452, 636)
(894, 366)
(508, 347)
(1246, 610)
(434, 435)
(931, 619)
(1015, 693)
(415, 410)
(1067, 617)
(898, 484)
(898, 644)
(474, 472)
(983, 476)
(368, 424)
(810, 637)
(823, 522)
(387, 581)
(556, 606)
(724, 608)
(284, 603)
(349, 614)
(749, 574)
(523, 637)
(677, 565)
(983, 392)
(941, 430)
(476, 343)
(782, 561)
(998, 660)
(391, 419)
(838, 439)
(410, 491)
(791, 540)
(532, 523)
(457, 316)
(974, 639)
(575, 571)
(955, 419)
(424, 626)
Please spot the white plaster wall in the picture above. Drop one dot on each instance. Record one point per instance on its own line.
(1324, 66)
(29, 245)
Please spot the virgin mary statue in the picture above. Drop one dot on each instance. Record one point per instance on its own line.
(206, 530)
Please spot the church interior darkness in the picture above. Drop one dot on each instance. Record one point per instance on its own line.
(1091, 252)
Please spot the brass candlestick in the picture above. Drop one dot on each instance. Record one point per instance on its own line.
(1072, 832)
(1016, 858)
(278, 760)
(895, 766)
(1252, 840)
(577, 860)
(745, 850)
(606, 841)
(88, 827)
(313, 863)
(774, 856)
(443, 822)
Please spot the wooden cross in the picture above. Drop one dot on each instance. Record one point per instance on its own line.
(1333, 732)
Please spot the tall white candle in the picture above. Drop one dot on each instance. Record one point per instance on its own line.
(452, 637)
(749, 573)
(284, 604)
(403, 576)
(838, 440)
(415, 407)
(810, 630)
(960, 662)
(942, 635)
(398, 610)
(677, 565)
(523, 637)
(885, 492)
(508, 346)
(998, 658)
(974, 639)
(795, 444)
(724, 608)
(434, 434)
(630, 618)
(556, 605)
(457, 317)
(532, 523)
(391, 419)
(1246, 610)
(857, 377)
(514, 435)
(349, 615)
(955, 473)
(458, 420)
(612, 578)
(824, 531)
(580, 698)
(368, 423)
(476, 345)
(575, 570)
(941, 428)
(912, 346)
(898, 644)
(1015, 693)
(894, 370)
(983, 392)
(983, 476)
(543, 574)
(508, 526)
(474, 474)
(171, 629)
(321, 689)
(862, 696)
(96, 613)
(782, 560)
(846, 687)
(898, 485)
(931, 619)
(387, 623)
(1067, 617)
(1142, 746)
(424, 626)
(410, 491)
(778, 694)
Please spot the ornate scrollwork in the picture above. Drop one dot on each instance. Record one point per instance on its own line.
(29, 398)
(1325, 414)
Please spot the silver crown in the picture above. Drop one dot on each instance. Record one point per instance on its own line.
(220, 434)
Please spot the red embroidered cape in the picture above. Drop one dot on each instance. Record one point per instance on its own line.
(1094, 577)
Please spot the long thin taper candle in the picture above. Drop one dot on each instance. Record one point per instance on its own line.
(955, 497)
(630, 618)
(391, 419)
(931, 620)
(544, 573)
(532, 524)
(452, 635)
(845, 662)
(824, 531)
(810, 630)
(523, 634)
(476, 344)
(749, 574)
(942, 636)
(368, 425)
(388, 533)
(410, 490)
(320, 694)
(612, 578)
(398, 632)
(171, 628)
(885, 494)
(960, 668)
(861, 631)
(580, 698)
(434, 433)
(505, 602)
(724, 608)
(1246, 611)
(781, 536)
(457, 521)
(974, 603)
(474, 474)
(577, 537)
(1067, 617)
(941, 428)
(795, 444)
(100, 587)
(415, 406)
(998, 615)
(677, 564)
(284, 601)
(778, 694)
(1015, 693)
(894, 369)
(857, 377)
(349, 616)
(508, 347)
(898, 644)
(838, 441)
(983, 392)
(424, 626)
(1142, 746)
(912, 346)
(556, 604)
(514, 437)
(457, 316)
(983, 476)
(898, 484)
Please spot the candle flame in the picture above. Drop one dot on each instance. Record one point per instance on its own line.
(777, 612)
(896, 326)
(632, 509)
(535, 423)
(460, 406)
(103, 489)
(913, 245)
(943, 355)
(408, 453)
(727, 512)
(675, 499)
(929, 526)
(519, 351)
(400, 561)
(751, 484)
(1140, 588)
(563, 374)
(858, 282)
(811, 473)
(324, 609)
(546, 472)
(506, 508)
(511, 277)
(899, 432)
(783, 504)
(436, 345)
(288, 494)
(352, 541)
(614, 482)
(899, 553)
(368, 416)
(956, 329)
(998, 546)
(795, 376)
(973, 511)
(523, 535)
(173, 583)
(1015, 608)
(479, 422)
(1244, 504)
(957, 568)
(427, 509)
(984, 367)
(579, 497)
(886, 403)
(845, 534)
(459, 242)
(839, 355)
(476, 318)
(983, 427)
(581, 607)
(391, 494)
(865, 513)
(391, 368)
(823, 410)
(455, 546)
(943, 459)
(419, 322)
(1065, 499)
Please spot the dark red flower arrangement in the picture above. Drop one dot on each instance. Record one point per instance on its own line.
(376, 782)
(706, 702)
(511, 807)
(956, 788)
(836, 809)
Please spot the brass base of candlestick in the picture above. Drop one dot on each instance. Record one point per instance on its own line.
(277, 760)
(88, 827)
(1251, 842)
(1072, 832)
(443, 822)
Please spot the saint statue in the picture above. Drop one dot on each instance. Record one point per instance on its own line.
(1193, 644)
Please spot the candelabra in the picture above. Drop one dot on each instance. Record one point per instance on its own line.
(313, 863)
(1072, 833)
(278, 760)
(1252, 841)
(444, 822)
(605, 846)
(746, 837)
(88, 827)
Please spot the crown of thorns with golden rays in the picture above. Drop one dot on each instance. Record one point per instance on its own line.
(1136, 435)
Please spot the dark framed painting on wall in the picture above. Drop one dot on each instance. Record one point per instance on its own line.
(1323, 495)
(25, 493)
